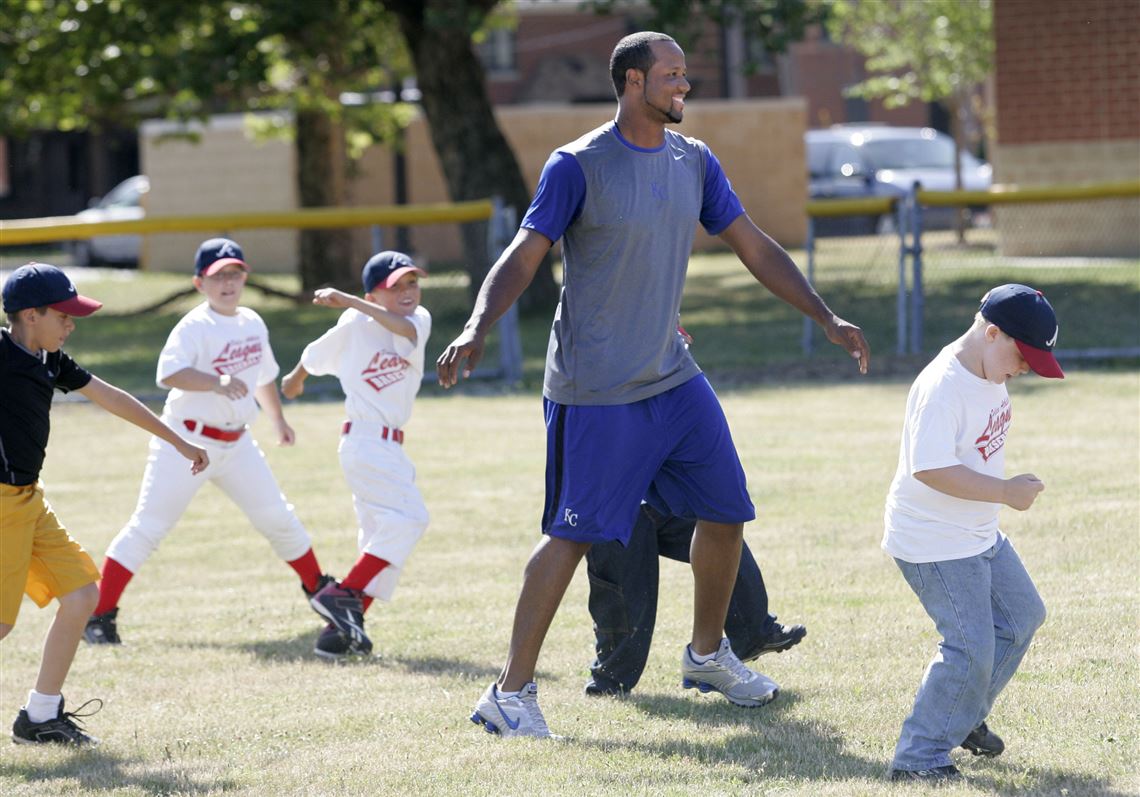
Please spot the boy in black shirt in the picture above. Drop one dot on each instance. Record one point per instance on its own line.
(37, 555)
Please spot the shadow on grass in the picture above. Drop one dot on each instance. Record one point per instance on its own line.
(1008, 778)
(299, 648)
(770, 745)
(95, 770)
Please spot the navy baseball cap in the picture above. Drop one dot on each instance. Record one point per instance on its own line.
(384, 268)
(1026, 316)
(43, 285)
(216, 253)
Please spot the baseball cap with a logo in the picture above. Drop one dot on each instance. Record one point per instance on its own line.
(215, 254)
(383, 269)
(43, 285)
(1026, 316)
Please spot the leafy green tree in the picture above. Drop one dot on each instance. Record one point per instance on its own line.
(83, 63)
(933, 51)
(773, 23)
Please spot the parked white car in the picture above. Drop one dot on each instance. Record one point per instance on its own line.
(870, 160)
(124, 202)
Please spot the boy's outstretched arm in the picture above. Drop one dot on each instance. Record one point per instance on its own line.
(119, 402)
(393, 322)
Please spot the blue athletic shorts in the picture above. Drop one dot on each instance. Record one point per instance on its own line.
(674, 448)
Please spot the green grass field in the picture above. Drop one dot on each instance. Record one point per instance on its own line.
(216, 690)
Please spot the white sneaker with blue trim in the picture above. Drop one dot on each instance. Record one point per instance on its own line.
(518, 715)
(725, 673)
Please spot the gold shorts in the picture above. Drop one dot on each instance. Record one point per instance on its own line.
(37, 555)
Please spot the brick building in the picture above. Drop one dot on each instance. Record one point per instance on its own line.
(1068, 111)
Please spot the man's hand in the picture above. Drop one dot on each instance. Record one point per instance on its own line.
(850, 337)
(467, 347)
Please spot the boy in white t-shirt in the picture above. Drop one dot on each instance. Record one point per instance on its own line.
(942, 527)
(219, 367)
(376, 350)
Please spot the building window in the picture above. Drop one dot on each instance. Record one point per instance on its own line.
(499, 52)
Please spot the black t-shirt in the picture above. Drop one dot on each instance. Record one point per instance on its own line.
(26, 384)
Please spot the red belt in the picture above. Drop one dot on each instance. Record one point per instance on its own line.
(386, 433)
(214, 433)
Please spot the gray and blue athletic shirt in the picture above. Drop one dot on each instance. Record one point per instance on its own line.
(626, 216)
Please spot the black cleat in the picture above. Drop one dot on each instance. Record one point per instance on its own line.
(332, 645)
(781, 638)
(935, 775)
(982, 741)
(322, 582)
(345, 610)
(61, 730)
(102, 629)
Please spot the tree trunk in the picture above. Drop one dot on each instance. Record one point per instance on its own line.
(326, 255)
(477, 162)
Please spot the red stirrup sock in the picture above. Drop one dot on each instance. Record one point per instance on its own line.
(365, 569)
(111, 586)
(365, 602)
(308, 569)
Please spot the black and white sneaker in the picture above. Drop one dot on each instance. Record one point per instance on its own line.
(322, 582)
(780, 638)
(102, 629)
(64, 729)
(982, 741)
(344, 608)
(331, 645)
(934, 775)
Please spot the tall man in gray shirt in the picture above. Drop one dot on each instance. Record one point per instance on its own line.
(629, 414)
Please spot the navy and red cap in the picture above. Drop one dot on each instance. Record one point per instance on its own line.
(44, 285)
(1025, 315)
(385, 268)
(217, 253)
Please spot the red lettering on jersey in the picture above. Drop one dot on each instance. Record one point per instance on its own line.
(238, 355)
(993, 438)
(384, 369)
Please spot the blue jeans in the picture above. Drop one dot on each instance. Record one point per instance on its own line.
(986, 609)
(623, 598)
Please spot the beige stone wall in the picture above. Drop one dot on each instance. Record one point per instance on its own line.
(225, 170)
(1104, 227)
(758, 142)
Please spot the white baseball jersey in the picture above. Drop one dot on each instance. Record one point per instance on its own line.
(380, 373)
(237, 345)
(952, 418)
(207, 341)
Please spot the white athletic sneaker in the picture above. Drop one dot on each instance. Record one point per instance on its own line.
(511, 716)
(726, 674)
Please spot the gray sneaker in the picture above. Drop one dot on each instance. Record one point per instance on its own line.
(726, 674)
(512, 716)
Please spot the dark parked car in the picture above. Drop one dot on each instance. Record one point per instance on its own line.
(847, 161)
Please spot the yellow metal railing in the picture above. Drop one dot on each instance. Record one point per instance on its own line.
(66, 228)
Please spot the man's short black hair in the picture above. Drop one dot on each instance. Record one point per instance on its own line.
(634, 52)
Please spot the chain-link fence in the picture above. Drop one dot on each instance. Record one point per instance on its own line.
(918, 281)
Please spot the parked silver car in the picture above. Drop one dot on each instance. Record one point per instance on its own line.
(124, 202)
(867, 160)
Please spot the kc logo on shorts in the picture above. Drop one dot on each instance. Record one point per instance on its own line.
(570, 516)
